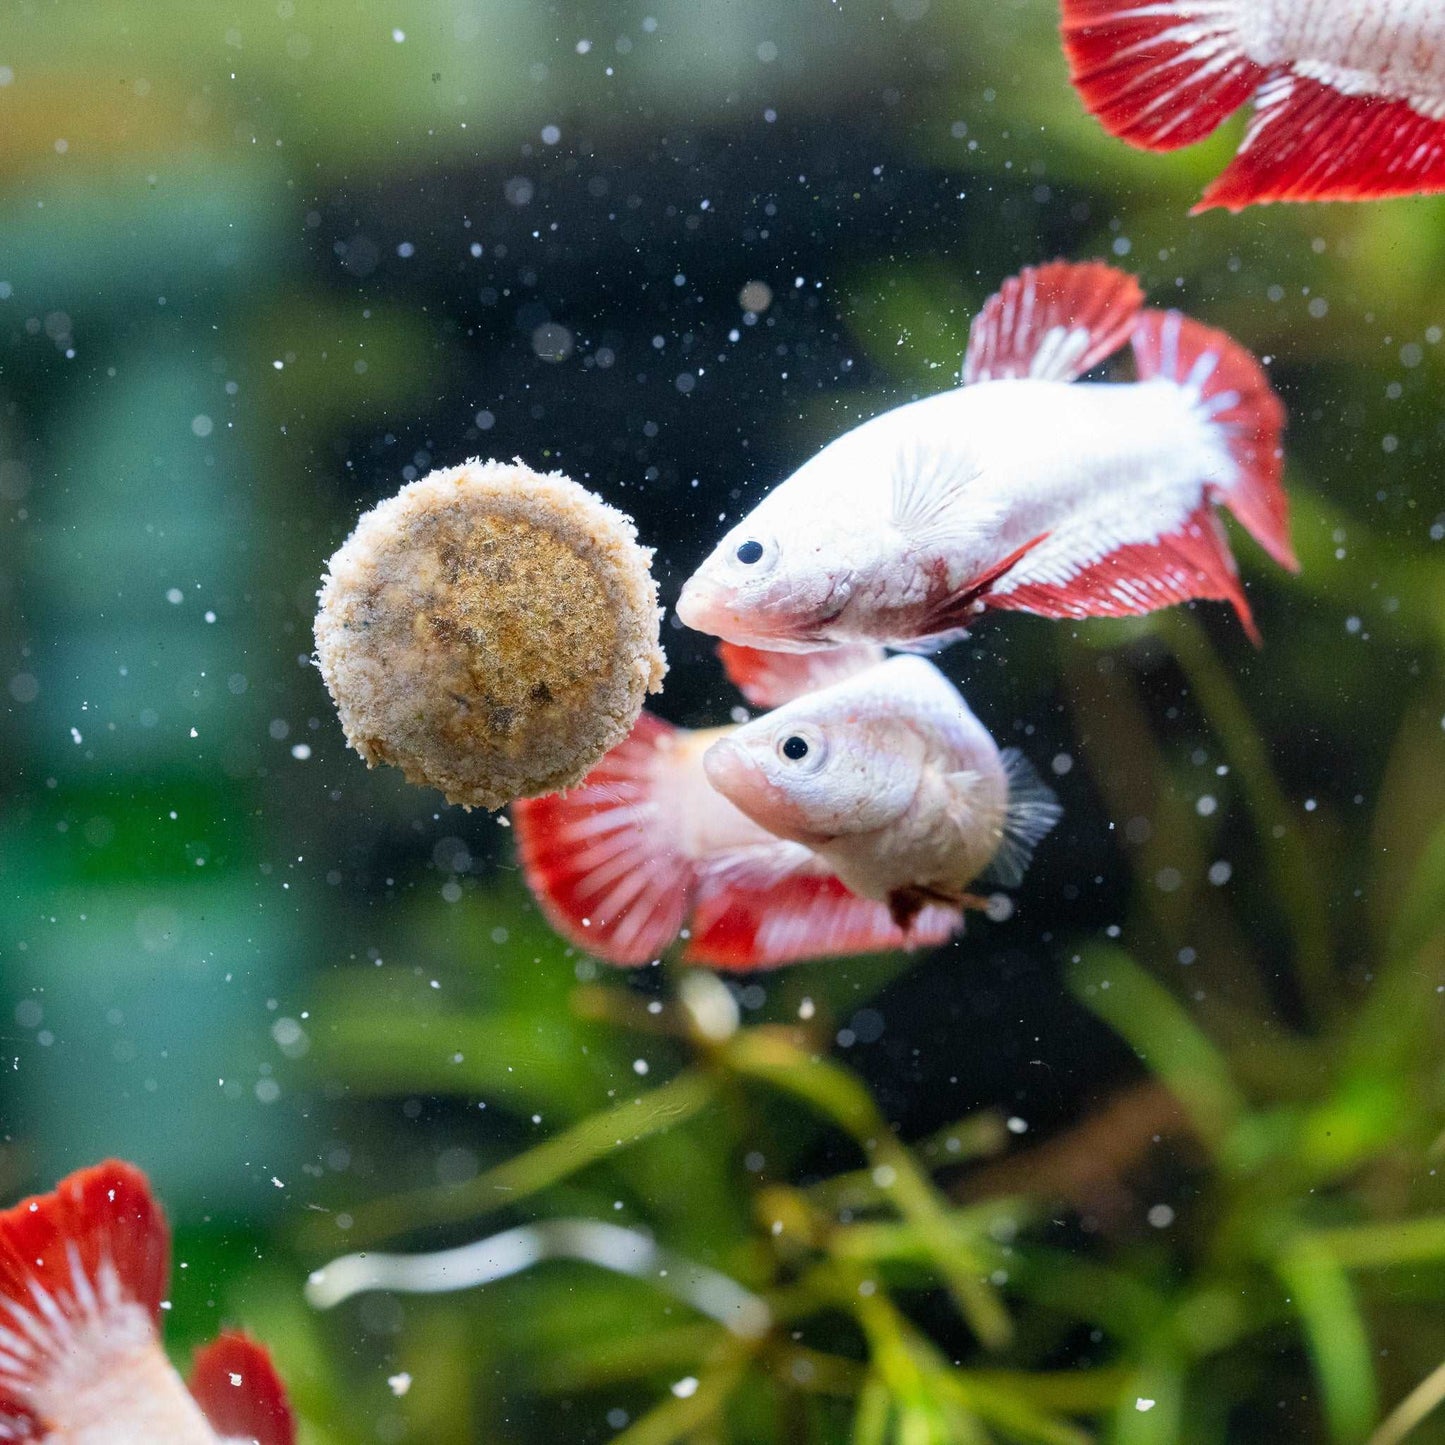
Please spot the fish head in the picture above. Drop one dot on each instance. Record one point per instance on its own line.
(830, 764)
(778, 580)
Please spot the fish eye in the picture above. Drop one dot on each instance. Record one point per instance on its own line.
(803, 749)
(749, 552)
(754, 555)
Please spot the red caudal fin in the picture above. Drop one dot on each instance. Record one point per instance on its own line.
(1308, 141)
(603, 859)
(1232, 390)
(1052, 322)
(1159, 73)
(769, 679)
(240, 1393)
(92, 1258)
(767, 914)
(1192, 562)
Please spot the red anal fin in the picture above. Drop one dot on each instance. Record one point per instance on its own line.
(98, 1243)
(769, 679)
(1052, 322)
(742, 927)
(603, 859)
(1192, 562)
(1308, 141)
(1230, 388)
(960, 608)
(1159, 74)
(240, 1393)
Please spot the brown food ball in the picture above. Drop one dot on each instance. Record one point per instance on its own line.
(490, 631)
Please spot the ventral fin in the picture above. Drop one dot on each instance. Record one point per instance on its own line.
(1308, 141)
(98, 1243)
(954, 611)
(1161, 74)
(240, 1393)
(604, 860)
(1032, 811)
(1052, 322)
(769, 679)
(1191, 562)
(786, 908)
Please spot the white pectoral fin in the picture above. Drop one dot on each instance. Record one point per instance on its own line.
(1032, 811)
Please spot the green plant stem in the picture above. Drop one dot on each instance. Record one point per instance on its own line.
(1379, 1246)
(1294, 874)
(766, 1055)
(1423, 1400)
(564, 1154)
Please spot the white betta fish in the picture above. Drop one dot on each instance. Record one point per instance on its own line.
(1019, 489)
(859, 831)
(83, 1273)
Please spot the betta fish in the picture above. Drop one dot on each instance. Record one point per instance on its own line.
(1349, 95)
(849, 820)
(82, 1275)
(1022, 489)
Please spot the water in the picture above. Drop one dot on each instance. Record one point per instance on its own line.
(255, 276)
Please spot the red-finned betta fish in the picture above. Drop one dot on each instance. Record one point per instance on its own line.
(1020, 489)
(83, 1272)
(1349, 95)
(851, 819)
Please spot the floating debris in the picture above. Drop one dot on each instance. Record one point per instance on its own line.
(491, 631)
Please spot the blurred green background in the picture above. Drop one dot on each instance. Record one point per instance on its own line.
(1154, 1161)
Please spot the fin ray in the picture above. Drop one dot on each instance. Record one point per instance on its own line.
(1033, 811)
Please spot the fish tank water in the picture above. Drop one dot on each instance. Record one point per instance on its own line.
(1150, 1153)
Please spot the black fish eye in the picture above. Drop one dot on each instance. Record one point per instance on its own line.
(795, 748)
(750, 552)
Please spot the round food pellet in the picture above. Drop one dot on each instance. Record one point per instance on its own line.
(490, 631)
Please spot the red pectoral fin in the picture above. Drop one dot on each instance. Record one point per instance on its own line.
(1052, 322)
(769, 679)
(1308, 141)
(743, 925)
(240, 1393)
(1191, 562)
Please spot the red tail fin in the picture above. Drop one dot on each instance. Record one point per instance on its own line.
(1233, 391)
(1053, 322)
(95, 1253)
(1308, 141)
(240, 1393)
(604, 859)
(1158, 73)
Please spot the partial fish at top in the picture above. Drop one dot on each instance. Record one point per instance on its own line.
(1021, 489)
(1349, 95)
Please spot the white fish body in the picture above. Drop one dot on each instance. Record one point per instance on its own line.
(665, 835)
(1023, 489)
(892, 781)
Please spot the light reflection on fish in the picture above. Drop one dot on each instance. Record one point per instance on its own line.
(1021, 489)
(853, 819)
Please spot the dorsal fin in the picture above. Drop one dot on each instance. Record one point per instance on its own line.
(1032, 811)
(769, 679)
(1052, 322)
(240, 1393)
